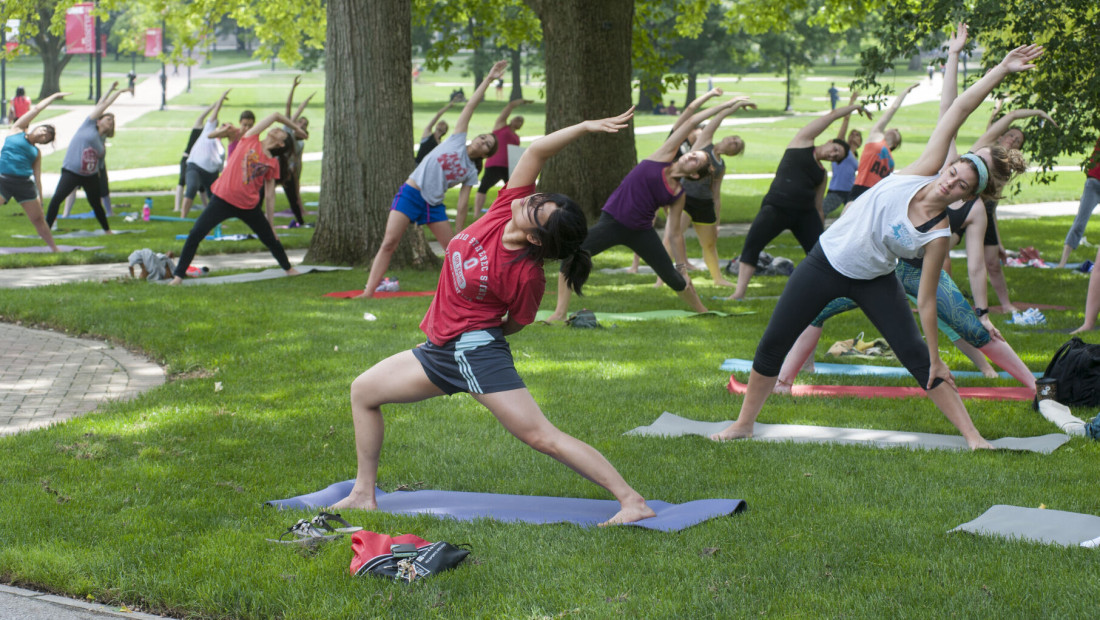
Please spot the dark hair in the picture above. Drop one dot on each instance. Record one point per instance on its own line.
(496, 145)
(1002, 165)
(20, 91)
(53, 132)
(477, 163)
(560, 238)
(247, 114)
(844, 145)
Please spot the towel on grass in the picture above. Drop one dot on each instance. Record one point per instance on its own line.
(672, 425)
(1054, 527)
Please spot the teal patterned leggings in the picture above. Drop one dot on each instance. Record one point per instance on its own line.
(954, 312)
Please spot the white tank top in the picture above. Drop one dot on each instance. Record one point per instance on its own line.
(875, 231)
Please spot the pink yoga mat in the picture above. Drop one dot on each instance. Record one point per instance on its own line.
(380, 294)
(890, 391)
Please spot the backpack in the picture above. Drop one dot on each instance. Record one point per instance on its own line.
(583, 318)
(1076, 369)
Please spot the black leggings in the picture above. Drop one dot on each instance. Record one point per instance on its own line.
(492, 176)
(608, 232)
(771, 221)
(289, 181)
(67, 184)
(216, 212)
(813, 285)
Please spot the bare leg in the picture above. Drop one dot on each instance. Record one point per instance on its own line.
(442, 233)
(519, 413)
(708, 239)
(997, 277)
(634, 264)
(70, 200)
(691, 298)
(179, 198)
(1065, 256)
(976, 357)
(800, 356)
(948, 401)
(186, 206)
(395, 228)
(561, 310)
(33, 209)
(1092, 300)
(744, 274)
(397, 379)
(1002, 355)
(758, 390)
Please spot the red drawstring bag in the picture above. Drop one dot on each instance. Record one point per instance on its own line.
(371, 554)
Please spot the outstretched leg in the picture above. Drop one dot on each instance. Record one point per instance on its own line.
(397, 379)
(395, 229)
(708, 239)
(33, 209)
(519, 413)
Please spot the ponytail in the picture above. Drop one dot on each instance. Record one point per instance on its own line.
(1004, 164)
(561, 238)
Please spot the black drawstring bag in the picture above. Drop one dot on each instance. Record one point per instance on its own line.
(1076, 369)
(373, 555)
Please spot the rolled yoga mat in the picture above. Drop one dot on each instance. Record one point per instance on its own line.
(649, 315)
(826, 368)
(41, 249)
(380, 294)
(268, 274)
(464, 506)
(1052, 527)
(672, 425)
(893, 391)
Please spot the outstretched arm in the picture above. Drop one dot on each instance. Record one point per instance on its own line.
(669, 149)
(931, 160)
(218, 106)
(502, 119)
(878, 130)
(268, 120)
(706, 136)
(290, 96)
(1001, 125)
(302, 107)
(807, 135)
(693, 107)
(25, 120)
(223, 131)
(951, 79)
(463, 124)
(843, 133)
(201, 120)
(105, 103)
(532, 160)
(435, 119)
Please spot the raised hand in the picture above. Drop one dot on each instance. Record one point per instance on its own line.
(714, 92)
(1043, 115)
(910, 89)
(610, 125)
(852, 99)
(297, 81)
(958, 41)
(1022, 58)
(864, 112)
(498, 69)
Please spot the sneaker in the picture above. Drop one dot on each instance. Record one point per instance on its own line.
(388, 286)
(1036, 316)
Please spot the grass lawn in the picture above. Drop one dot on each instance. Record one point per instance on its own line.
(156, 503)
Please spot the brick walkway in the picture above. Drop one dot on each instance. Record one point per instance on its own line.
(46, 377)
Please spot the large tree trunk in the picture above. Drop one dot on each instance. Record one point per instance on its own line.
(516, 64)
(587, 76)
(368, 112)
(50, 48)
(649, 92)
(692, 78)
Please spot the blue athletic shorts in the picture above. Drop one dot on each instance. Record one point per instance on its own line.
(409, 201)
(479, 362)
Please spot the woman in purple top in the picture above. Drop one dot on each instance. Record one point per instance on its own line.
(627, 217)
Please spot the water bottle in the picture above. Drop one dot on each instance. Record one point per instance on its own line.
(147, 209)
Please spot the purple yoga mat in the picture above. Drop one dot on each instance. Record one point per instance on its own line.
(40, 249)
(523, 508)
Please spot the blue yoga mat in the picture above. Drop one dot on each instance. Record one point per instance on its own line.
(465, 506)
(825, 368)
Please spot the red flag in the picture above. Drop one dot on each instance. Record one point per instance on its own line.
(80, 29)
(153, 42)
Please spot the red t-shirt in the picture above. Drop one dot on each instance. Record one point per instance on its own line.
(875, 164)
(481, 281)
(20, 105)
(505, 136)
(245, 173)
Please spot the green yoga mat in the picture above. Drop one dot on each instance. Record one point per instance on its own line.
(648, 315)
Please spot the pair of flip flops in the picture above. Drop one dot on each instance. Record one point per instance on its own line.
(325, 526)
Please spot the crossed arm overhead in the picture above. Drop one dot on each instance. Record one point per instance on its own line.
(706, 135)
(692, 108)
(843, 133)
(269, 120)
(502, 119)
(668, 150)
(878, 130)
(1001, 125)
(806, 136)
(931, 160)
(101, 107)
(298, 132)
(463, 123)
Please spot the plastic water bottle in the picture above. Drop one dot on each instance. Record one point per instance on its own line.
(218, 231)
(147, 209)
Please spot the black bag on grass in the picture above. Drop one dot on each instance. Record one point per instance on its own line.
(1076, 369)
(373, 554)
(583, 318)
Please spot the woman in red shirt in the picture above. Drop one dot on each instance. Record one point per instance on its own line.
(491, 286)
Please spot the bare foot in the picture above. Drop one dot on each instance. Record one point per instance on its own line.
(989, 373)
(632, 269)
(1082, 329)
(658, 283)
(782, 387)
(630, 513)
(554, 318)
(108, 232)
(732, 432)
(175, 281)
(980, 444)
(356, 502)
(366, 294)
(732, 298)
(723, 282)
(293, 272)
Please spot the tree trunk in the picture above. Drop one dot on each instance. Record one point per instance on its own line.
(588, 69)
(368, 112)
(915, 63)
(693, 76)
(50, 49)
(648, 94)
(516, 64)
